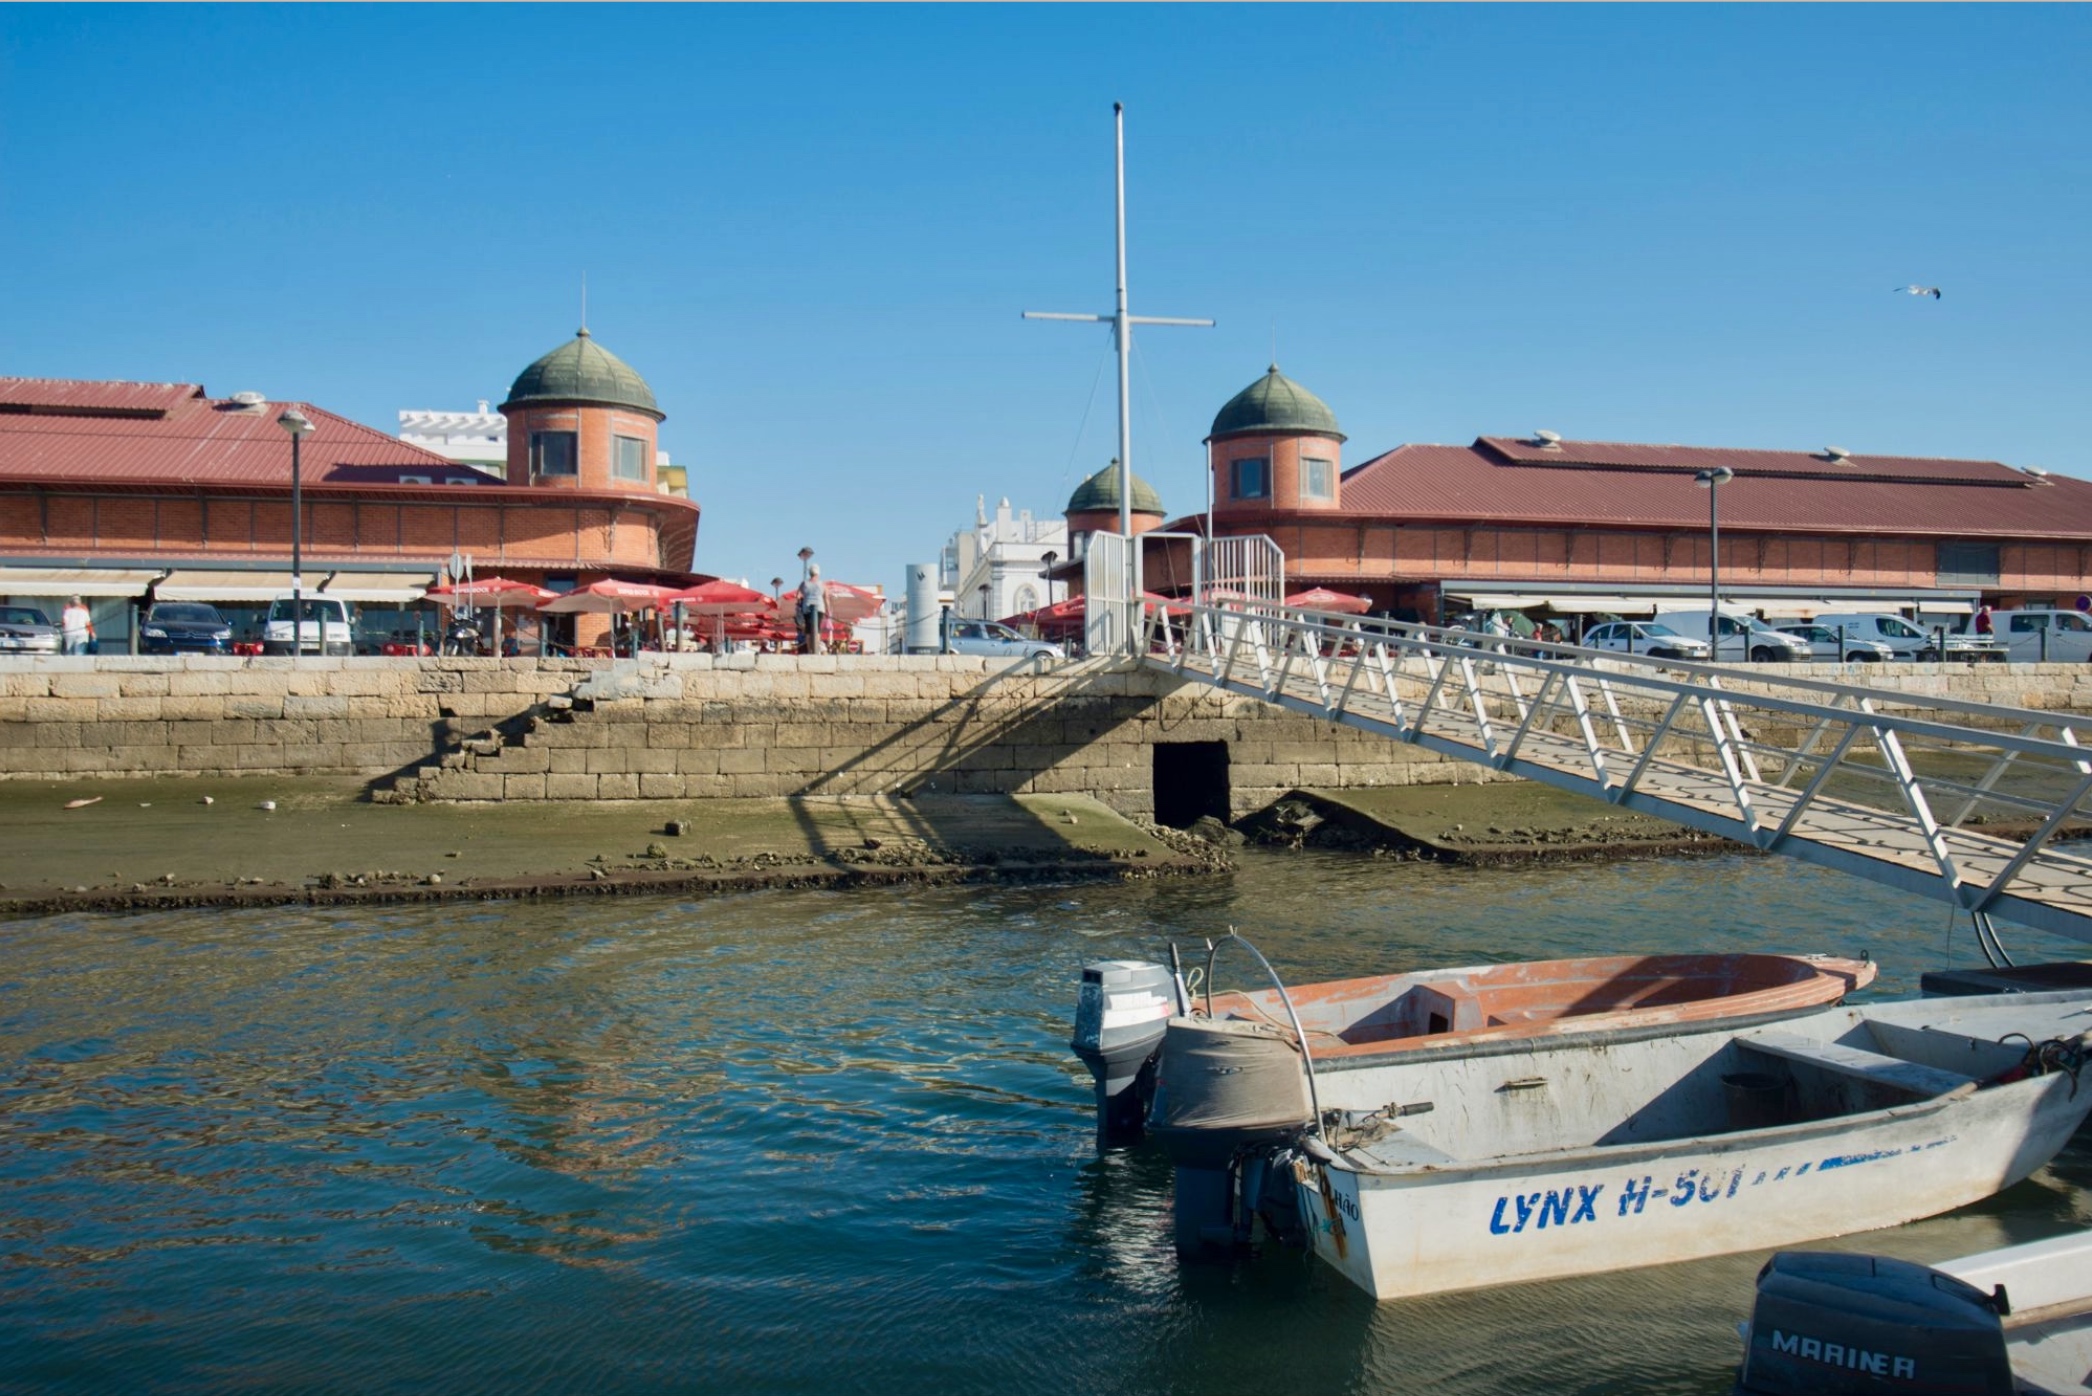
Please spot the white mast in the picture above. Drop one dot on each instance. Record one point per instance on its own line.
(1122, 325)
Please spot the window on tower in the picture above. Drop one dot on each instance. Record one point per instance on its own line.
(628, 460)
(1317, 478)
(553, 452)
(1251, 478)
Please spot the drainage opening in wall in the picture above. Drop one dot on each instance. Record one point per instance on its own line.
(1191, 781)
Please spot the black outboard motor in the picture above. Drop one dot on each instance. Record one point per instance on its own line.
(1829, 1324)
(1119, 1016)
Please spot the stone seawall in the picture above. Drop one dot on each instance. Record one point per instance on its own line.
(685, 726)
(691, 726)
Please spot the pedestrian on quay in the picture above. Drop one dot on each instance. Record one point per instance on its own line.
(1983, 620)
(813, 606)
(76, 626)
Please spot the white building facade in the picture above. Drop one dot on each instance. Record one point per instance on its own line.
(998, 567)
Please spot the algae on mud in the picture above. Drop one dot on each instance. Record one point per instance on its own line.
(200, 841)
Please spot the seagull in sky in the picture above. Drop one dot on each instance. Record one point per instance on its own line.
(1932, 291)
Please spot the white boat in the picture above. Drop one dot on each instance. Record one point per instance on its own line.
(1230, 1079)
(2015, 1320)
(1552, 1157)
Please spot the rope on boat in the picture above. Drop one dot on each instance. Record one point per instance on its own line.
(2057, 1054)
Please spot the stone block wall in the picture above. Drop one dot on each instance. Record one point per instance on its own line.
(693, 729)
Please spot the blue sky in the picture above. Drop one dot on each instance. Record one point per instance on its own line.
(813, 228)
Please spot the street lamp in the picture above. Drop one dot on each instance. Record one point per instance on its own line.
(299, 427)
(1049, 558)
(1712, 482)
(984, 601)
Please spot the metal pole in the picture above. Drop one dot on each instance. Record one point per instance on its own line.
(1714, 573)
(1122, 332)
(297, 554)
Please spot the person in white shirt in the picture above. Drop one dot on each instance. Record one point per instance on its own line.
(76, 626)
(813, 605)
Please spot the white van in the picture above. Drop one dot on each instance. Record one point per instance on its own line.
(1743, 637)
(325, 627)
(2069, 635)
(1907, 642)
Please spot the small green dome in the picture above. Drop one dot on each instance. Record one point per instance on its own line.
(1275, 403)
(1100, 494)
(582, 371)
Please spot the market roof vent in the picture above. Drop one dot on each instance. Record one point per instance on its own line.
(1837, 455)
(251, 399)
(1549, 440)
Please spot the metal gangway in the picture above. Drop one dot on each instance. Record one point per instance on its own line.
(1968, 803)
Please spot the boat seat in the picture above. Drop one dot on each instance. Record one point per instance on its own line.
(1914, 1077)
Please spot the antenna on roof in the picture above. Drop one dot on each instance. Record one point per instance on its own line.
(1837, 455)
(584, 303)
(1549, 440)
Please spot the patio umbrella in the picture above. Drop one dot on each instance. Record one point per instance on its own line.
(610, 597)
(720, 599)
(498, 593)
(1323, 599)
(846, 603)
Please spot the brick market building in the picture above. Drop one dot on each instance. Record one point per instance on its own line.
(1541, 522)
(125, 492)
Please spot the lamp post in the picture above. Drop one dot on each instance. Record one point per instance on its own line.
(296, 423)
(984, 601)
(1049, 558)
(1712, 482)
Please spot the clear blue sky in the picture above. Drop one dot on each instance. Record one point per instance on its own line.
(812, 229)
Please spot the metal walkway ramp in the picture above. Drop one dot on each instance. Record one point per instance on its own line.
(1971, 804)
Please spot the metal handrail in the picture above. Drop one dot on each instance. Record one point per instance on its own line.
(1555, 712)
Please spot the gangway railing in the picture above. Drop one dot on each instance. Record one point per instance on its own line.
(1969, 803)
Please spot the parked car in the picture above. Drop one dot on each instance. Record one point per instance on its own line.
(323, 629)
(993, 637)
(26, 630)
(1649, 637)
(2068, 635)
(184, 627)
(1824, 643)
(1908, 642)
(1743, 636)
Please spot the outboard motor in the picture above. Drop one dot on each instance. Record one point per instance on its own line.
(1830, 1324)
(1119, 1016)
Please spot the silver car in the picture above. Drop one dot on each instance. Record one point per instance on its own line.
(993, 637)
(26, 630)
(1649, 637)
(1823, 644)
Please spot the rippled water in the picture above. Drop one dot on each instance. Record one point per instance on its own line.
(785, 1142)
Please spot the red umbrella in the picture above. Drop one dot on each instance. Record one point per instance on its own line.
(720, 598)
(610, 597)
(495, 592)
(846, 603)
(1323, 599)
(490, 591)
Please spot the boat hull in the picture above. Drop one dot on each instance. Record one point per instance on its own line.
(1464, 1228)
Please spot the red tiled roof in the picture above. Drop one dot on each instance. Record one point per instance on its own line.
(63, 431)
(1499, 480)
(1621, 455)
(84, 395)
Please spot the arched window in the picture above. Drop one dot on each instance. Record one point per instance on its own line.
(1026, 598)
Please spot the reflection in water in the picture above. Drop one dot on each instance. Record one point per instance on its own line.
(775, 1142)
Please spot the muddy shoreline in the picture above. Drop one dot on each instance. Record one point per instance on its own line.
(247, 842)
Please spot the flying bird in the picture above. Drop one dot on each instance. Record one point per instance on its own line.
(1932, 291)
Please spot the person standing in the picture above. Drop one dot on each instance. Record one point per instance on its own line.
(76, 626)
(1983, 620)
(813, 606)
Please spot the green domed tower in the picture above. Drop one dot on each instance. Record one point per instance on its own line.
(1275, 446)
(1094, 507)
(582, 418)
